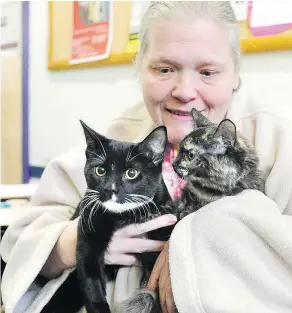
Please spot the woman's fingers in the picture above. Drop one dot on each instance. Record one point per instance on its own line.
(136, 245)
(120, 259)
(139, 229)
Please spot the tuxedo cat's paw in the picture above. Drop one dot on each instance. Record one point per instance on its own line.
(142, 301)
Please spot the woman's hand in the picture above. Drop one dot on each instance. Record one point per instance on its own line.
(63, 255)
(160, 279)
(125, 242)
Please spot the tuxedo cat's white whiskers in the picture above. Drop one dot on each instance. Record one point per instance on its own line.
(99, 157)
(145, 204)
(129, 153)
(90, 224)
(93, 211)
(127, 200)
(139, 208)
(134, 157)
(152, 163)
(148, 200)
(104, 153)
(140, 205)
(89, 200)
(141, 212)
(81, 223)
(145, 207)
(88, 190)
(146, 210)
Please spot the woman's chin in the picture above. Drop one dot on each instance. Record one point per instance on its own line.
(175, 136)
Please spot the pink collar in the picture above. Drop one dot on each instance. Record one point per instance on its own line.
(173, 182)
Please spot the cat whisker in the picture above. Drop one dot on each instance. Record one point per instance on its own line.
(104, 153)
(134, 157)
(81, 223)
(94, 203)
(145, 204)
(129, 153)
(146, 211)
(91, 198)
(92, 191)
(152, 163)
(148, 200)
(99, 157)
(140, 205)
(90, 220)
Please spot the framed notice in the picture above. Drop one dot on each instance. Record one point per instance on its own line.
(88, 33)
(92, 31)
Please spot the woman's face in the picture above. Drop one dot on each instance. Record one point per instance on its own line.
(188, 65)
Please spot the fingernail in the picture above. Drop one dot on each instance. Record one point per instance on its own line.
(172, 219)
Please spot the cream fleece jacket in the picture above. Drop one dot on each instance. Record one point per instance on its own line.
(233, 255)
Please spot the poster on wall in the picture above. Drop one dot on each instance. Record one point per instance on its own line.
(269, 17)
(92, 31)
(11, 27)
(138, 8)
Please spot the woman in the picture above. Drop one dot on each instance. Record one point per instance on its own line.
(234, 255)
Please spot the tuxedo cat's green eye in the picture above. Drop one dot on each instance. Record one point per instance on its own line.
(131, 173)
(100, 171)
(191, 155)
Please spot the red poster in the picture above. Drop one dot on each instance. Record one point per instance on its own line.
(92, 31)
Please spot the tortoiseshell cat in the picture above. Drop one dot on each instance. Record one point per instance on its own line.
(125, 179)
(216, 161)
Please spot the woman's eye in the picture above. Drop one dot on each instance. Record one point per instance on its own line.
(191, 155)
(208, 73)
(100, 171)
(164, 70)
(131, 173)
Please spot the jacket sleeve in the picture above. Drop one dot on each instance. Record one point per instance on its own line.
(279, 180)
(28, 242)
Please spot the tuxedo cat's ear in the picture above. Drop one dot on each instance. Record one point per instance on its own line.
(199, 119)
(154, 144)
(227, 130)
(95, 142)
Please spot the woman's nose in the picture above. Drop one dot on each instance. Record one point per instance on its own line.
(185, 89)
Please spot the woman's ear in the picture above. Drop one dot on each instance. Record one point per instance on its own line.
(236, 83)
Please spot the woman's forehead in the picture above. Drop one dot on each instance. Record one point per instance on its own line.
(199, 41)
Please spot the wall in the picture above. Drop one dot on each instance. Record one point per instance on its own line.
(59, 99)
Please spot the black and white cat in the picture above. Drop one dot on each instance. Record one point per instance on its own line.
(124, 186)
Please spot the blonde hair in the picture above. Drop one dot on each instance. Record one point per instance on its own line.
(218, 11)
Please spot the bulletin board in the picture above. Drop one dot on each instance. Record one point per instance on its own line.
(14, 139)
(81, 35)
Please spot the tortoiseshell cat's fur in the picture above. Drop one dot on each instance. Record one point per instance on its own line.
(216, 161)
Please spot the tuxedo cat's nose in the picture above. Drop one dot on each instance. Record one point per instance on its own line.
(108, 194)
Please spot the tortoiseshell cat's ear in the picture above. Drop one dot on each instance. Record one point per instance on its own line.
(154, 144)
(199, 119)
(95, 142)
(227, 131)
